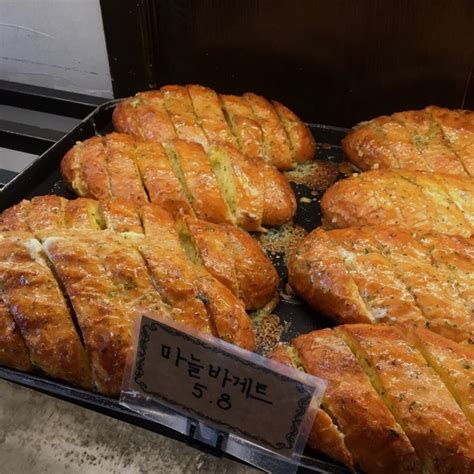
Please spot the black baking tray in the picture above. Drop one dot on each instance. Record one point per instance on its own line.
(42, 176)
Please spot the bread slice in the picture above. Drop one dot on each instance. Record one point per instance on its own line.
(276, 144)
(200, 181)
(429, 415)
(459, 191)
(458, 130)
(371, 433)
(144, 116)
(279, 205)
(244, 125)
(325, 435)
(16, 217)
(454, 364)
(127, 270)
(104, 321)
(173, 276)
(207, 244)
(317, 272)
(437, 299)
(83, 213)
(209, 113)
(36, 302)
(180, 110)
(13, 351)
(124, 177)
(454, 257)
(119, 216)
(46, 212)
(240, 181)
(302, 144)
(162, 178)
(411, 200)
(368, 147)
(256, 276)
(84, 168)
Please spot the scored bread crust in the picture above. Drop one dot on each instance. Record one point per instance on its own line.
(276, 143)
(244, 125)
(257, 280)
(385, 274)
(207, 199)
(179, 106)
(242, 183)
(210, 244)
(259, 128)
(227, 253)
(371, 433)
(411, 200)
(280, 202)
(458, 130)
(390, 404)
(325, 435)
(105, 324)
(150, 108)
(161, 183)
(318, 274)
(207, 107)
(183, 178)
(13, 351)
(429, 415)
(35, 301)
(84, 169)
(453, 362)
(109, 279)
(433, 139)
(301, 139)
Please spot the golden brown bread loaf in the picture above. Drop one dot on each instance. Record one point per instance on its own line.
(257, 127)
(387, 408)
(218, 184)
(112, 261)
(226, 252)
(434, 139)
(109, 279)
(425, 202)
(385, 274)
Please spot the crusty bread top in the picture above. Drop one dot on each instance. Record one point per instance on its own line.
(386, 274)
(391, 403)
(414, 200)
(433, 139)
(259, 128)
(217, 183)
(228, 253)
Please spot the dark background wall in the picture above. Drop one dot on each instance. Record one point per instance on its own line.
(335, 62)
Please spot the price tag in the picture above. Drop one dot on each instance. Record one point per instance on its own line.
(232, 389)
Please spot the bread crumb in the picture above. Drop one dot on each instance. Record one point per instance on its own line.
(282, 240)
(305, 200)
(268, 330)
(317, 175)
